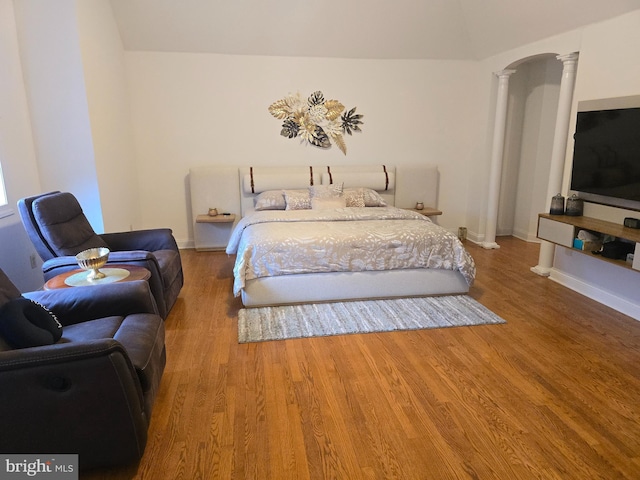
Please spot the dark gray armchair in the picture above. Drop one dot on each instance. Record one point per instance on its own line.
(59, 230)
(79, 370)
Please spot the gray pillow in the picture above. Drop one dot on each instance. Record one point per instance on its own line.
(25, 323)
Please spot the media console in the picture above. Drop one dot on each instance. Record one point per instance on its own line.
(563, 229)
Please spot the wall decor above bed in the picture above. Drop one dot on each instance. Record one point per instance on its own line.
(316, 121)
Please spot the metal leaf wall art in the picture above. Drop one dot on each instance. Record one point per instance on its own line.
(316, 121)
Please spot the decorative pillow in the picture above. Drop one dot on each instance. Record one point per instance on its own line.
(270, 200)
(325, 191)
(25, 323)
(297, 200)
(371, 197)
(354, 197)
(327, 203)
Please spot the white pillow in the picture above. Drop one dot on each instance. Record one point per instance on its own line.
(371, 197)
(270, 200)
(325, 191)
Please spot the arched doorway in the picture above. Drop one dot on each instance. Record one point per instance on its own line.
(538, 145)
(532, 108)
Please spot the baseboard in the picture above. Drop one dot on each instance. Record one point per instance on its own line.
(606, 298)
(475, 237)
(478, 239)
(527, 237)
(185, 244)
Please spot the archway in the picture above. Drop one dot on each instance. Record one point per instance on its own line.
(529, 137)
(531, 113)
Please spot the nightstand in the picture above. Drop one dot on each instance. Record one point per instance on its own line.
(426, 211)
(220, 218)
(212, 232)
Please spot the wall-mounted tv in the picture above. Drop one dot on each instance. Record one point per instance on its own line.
(606, 153)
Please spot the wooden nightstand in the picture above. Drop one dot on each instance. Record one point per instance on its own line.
(426, 211)
(220, 218)
(212, 233)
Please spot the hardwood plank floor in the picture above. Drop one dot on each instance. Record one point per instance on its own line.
(554, 393)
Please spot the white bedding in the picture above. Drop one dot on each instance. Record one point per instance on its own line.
(275, 243)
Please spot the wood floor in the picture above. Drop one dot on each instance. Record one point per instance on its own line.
(552, 394)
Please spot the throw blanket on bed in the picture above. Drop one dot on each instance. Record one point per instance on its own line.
(278, 242)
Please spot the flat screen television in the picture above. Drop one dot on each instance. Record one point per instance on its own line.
(606, 157)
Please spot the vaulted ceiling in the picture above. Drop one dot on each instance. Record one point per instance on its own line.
(380, 29)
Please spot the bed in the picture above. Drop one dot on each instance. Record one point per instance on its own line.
(318, 234)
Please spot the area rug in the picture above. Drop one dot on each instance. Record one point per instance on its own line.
(324, 319)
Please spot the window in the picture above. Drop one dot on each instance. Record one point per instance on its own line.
(5, 209)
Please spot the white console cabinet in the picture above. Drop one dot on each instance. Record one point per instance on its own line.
(563, 229)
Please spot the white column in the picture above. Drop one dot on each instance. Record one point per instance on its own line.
(558, 153)
(497, 151)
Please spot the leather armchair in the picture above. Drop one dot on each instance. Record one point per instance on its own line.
(91, 392)
(59, 230)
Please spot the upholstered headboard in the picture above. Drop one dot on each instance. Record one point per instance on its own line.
(217, 186)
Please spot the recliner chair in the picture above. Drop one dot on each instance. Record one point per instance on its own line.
(85, 382)
(59, 230)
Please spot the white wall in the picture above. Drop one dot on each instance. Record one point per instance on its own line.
(206, 109)
(109, 115)
(54, 79)
(17, 155)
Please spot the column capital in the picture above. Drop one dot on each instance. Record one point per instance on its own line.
(569, 57)
(569, 61)
(504, 73)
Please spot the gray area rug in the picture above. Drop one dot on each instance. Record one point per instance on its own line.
(324, 319)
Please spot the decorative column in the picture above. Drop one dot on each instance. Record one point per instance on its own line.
(558, 153)
(497, 151)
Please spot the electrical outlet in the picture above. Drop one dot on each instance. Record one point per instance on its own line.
(32, 259)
